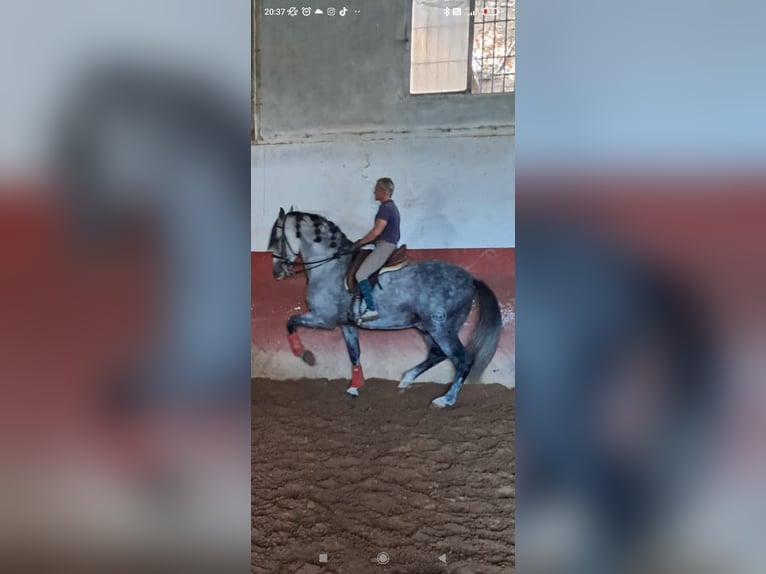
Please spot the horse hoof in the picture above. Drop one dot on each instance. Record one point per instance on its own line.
(439, 402)
(308, 358)
(352, 392)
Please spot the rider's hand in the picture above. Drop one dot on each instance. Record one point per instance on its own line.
(356, 246)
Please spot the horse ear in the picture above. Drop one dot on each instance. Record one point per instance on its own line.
(281, 213)
(291, 208)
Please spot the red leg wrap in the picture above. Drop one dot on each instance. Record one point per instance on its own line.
(295, 344)
(357, 376)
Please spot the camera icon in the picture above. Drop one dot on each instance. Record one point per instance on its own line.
(331, 11)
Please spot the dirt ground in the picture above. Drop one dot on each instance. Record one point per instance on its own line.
(352, 478)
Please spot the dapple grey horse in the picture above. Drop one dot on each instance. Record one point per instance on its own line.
(432, 296)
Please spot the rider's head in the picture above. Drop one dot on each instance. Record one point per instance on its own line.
(384, 189)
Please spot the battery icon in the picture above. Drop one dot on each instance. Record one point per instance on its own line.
(490, 11)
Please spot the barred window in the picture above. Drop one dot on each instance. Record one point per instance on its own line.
(442, 32)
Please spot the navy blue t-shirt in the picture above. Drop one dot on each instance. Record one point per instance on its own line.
(390, 213)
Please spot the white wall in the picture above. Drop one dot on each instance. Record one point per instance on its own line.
(331, 124)
(452, 191)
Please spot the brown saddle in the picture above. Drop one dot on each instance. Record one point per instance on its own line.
(398, 259)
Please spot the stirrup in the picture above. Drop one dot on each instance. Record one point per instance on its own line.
(369, 315)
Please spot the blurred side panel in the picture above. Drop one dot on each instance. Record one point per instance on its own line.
(124, 249)
(640, 322)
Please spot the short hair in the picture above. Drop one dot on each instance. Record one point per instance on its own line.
(387, 184)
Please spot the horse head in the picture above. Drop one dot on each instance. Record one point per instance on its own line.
(284, 245)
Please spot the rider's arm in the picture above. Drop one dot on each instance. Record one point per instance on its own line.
(372, 235)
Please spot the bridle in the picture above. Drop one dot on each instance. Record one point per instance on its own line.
(288, 264)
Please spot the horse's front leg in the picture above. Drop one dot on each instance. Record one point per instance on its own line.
(351, 335)
(305, 320)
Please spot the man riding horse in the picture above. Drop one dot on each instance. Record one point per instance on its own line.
(385, 234)
(326, 257)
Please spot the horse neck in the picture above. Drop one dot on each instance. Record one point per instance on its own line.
(332, 270)
(321, 252)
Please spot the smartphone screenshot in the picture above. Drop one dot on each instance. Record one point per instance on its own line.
(383, 287)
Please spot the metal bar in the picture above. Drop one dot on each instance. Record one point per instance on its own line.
(483, 28)
(506, 43)
(492, 61)
(512, 50)
(471, 23)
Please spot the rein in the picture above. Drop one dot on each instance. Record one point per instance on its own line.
(307, 265)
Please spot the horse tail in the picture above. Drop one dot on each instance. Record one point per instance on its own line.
(486, 333)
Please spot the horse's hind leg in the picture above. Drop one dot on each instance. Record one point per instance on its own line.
(351, 336)
(435, 356)
(450, 344)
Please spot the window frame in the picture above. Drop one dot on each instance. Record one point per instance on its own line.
(467, 92)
